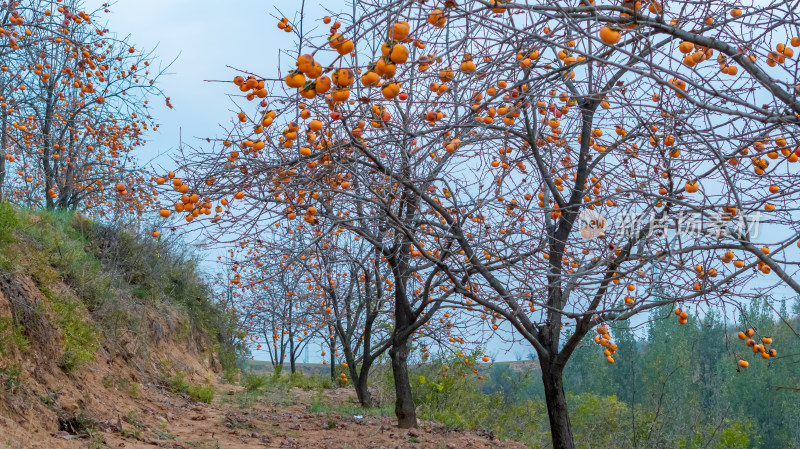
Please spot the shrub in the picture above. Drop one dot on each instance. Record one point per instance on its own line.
(197, 393)
(133, 391)
(201, 393)
(10, 376)
(252, 381)
(177, 383)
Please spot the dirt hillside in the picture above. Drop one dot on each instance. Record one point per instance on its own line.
(121, 400)
(108, 339)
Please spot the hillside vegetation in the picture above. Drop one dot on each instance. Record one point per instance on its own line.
(89, 313)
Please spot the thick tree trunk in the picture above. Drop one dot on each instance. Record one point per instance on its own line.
(560, 427)
(404, 407)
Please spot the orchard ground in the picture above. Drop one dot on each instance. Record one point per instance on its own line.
(280, 418)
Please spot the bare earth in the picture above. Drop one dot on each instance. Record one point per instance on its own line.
(163, 419)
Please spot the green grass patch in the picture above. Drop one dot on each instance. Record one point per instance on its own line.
(80, 338)
(253, 382)
(197, 393)
(12, 336)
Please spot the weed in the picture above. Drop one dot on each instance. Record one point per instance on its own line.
(252, 381)
(135, 433)
(201, 393)
(48, 399)
(96, 440)
(133, 392)
(133, 419)
(319, 405)
(11, 336)
(177, 383)
(197, 393)
(80, 338)
(165, 436)
(10, 376)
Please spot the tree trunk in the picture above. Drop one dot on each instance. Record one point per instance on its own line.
(404, 407)
(292, 354)
(333, 362)
(5, 151)
(557, 412)
(360, 379)
(2, 174)
(362, 391)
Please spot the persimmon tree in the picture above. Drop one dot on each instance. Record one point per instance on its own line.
(557, 167)
(340, 196)
(76, 105)
(351, 279)
(272, 301)
(17, 34)
(577, 278)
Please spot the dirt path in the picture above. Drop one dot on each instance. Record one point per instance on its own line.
(158, 418)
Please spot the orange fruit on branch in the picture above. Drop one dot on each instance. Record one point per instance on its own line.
(609, 36)
(399, 31)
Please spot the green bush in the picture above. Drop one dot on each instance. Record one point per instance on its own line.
(178, 383)
(252, 381)
(201, 393)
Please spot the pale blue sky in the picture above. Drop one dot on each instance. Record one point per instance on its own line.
(205, 37)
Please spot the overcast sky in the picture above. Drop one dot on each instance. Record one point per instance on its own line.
(205, 37)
